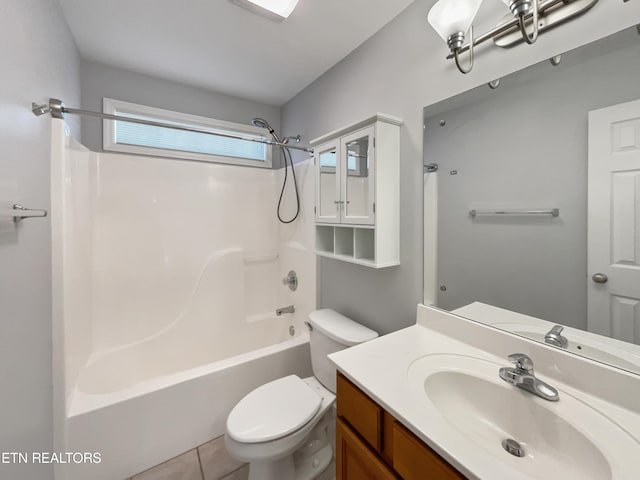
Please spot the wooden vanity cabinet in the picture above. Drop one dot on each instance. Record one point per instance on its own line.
(372, 445)
(355, 460)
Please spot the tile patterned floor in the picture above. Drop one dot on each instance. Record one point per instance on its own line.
(210, 461)
(216, 462)
(207, 462)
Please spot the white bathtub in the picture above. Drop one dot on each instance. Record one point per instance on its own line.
(147, 423)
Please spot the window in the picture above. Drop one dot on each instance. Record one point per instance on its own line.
(128, 137)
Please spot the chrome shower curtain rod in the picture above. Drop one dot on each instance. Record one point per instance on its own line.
(57, 110)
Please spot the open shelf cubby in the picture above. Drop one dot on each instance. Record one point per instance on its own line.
(344, 241)
(324, 239)
(354, 244)
(364, 244)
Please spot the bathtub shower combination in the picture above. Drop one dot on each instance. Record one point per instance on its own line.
(167, 278)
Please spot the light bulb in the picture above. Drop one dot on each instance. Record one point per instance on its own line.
(450, 17)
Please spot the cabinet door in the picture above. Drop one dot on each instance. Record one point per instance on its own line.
(354, 460)
(413, 460)
(328, 183)
(357, 167)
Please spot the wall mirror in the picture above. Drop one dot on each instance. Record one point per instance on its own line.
(538, 201)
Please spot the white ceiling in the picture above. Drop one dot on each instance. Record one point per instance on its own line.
(217, 45)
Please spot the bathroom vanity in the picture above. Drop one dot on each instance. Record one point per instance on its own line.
(431, 402)
(371, 444)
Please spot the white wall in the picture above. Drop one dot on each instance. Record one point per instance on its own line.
(398, 71)
(39, 60)
(98, 81)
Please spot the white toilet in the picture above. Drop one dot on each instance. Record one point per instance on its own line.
(281, 427)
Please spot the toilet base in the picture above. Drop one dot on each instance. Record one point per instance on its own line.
(292, 467)
(306, 463)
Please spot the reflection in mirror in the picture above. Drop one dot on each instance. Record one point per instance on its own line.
(550, 162)
(357, 182)
(328, 191)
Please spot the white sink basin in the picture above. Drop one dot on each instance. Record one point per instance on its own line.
(565, 440)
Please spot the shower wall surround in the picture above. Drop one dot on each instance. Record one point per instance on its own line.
(155, 244)
(166, 273)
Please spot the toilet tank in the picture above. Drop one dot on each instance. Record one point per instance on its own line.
(331, 332)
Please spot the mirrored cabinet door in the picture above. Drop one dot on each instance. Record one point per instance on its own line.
(328, 185)
(357, 177)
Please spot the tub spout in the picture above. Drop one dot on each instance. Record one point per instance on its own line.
(289, 309)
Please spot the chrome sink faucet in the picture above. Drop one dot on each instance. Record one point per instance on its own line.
(554, 337)
(522, 376)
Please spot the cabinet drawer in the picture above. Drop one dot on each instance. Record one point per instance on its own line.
(354, 460)
(362, 413)
(413, 460)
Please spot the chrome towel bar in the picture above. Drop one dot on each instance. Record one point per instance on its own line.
(18, 212)
(554, 212)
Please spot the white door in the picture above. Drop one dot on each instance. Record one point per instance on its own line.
(614, 222)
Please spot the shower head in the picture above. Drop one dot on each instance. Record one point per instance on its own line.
(262, 123)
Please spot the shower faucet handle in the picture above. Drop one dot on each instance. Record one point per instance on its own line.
(291, 280)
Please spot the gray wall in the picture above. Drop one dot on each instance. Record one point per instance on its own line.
(524, 145)
(398, 71)
(39, 59)
(98, 81)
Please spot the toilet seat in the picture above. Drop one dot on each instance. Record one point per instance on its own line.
(273, 410)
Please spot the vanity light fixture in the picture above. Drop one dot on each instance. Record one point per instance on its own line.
(451, 19)
(276, 10)
(520, 9)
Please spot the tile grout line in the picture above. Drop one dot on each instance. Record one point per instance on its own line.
(234, 471)
(197, 449)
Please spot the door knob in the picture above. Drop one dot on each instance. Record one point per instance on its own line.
(600, 278)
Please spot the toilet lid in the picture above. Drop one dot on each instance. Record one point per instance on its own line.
(273, 410)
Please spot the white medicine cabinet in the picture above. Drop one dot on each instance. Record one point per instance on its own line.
(357, 192)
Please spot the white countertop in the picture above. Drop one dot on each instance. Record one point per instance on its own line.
(380, 367)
